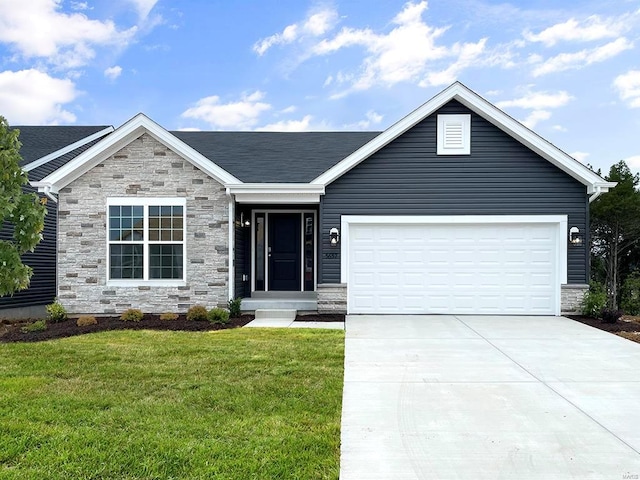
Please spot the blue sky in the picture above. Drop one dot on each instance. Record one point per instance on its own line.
(568, 69)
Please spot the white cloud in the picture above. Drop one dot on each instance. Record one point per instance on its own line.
(315, 25)
(408, 52)
(535, 117)
(633, 162)
(569, 61)
(559, 128)
(539, 103)
(79, 6)
(628, 86)
(240, 115)
(538, 100)
(288, 125)
(580, 156)
(33, 97)
(113, 72)
(289, 109)
(62, 39)
(143, 7)
(590, 29)
(371, 118)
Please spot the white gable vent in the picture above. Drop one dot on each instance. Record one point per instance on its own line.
(454, 134)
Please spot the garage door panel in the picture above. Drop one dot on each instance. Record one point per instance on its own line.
(455, 268)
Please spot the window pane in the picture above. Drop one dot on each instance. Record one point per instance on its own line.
(165, 262)
(138, 211)
(154, 211)
(126, 223)
(125, 211)
(126, 261)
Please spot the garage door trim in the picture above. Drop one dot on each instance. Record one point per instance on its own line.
(560, 222)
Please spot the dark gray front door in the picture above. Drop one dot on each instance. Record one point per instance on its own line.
(284, 251)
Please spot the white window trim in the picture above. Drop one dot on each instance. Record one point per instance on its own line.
(465, 120)
(146, 202)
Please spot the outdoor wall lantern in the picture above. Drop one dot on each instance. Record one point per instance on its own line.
(243, 222)
(575, 237)
(334, 237)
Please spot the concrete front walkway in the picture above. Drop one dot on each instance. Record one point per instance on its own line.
(479, 397)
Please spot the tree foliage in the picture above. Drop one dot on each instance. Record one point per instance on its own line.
(615, 230)
(21, 215)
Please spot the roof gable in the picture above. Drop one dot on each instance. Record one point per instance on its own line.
(122, 136)
(489, 112)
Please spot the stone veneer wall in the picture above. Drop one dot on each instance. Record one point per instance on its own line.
(332, 298)
(144, 168)
(571, 298)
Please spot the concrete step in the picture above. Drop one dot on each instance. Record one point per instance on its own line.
(284, 314)
(255, 304)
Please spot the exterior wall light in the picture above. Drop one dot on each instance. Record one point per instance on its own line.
(334, 237)
(575, 237)
(244, 222)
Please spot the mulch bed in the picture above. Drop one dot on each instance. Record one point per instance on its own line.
(625, 324)
(13, 332)
(315, 317)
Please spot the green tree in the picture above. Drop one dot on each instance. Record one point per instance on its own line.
(21, 215)
(615, 229)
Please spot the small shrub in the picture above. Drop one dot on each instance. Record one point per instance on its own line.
(168, 316)
(218, 315)
(57, 313)
(37, 326)
(132, 315)
(197, 313)
(86, 320)
(630, 301)
(610, 316)
(594, 300)
(234, 307)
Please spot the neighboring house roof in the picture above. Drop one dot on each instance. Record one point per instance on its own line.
(251, 156)
(457, 91)
(41, 141)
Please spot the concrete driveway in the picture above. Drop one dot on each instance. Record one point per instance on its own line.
(479, 397)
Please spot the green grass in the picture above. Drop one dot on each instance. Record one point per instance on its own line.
(232, 404)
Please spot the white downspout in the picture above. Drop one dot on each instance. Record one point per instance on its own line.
(232, 242)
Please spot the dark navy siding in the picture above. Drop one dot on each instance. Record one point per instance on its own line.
(500, 177)
(42, 289)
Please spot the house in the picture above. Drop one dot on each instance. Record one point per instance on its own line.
(456, 208)
(43, 150)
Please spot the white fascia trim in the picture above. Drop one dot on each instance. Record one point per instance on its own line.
(482, 107)
(69, 148)
(121, 137)
(561, 221)
(276, 192)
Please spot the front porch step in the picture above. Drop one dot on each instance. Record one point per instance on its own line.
(299, 304)
(273, 318)
(284, 314)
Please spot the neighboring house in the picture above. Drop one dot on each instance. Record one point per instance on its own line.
(43, 150)
(457, 208)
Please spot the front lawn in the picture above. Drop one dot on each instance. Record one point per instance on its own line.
(242, 404)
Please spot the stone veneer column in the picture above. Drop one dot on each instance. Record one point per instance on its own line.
(332, 298)
(571, 297)
(144, 168)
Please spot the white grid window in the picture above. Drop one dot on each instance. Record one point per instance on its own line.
(146, 240)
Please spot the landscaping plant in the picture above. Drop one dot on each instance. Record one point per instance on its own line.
(218, 315)
(168, 316)
(234, 307)
(37, 326)
(594, 300)
(85, 320)
(197, 313)
(132, 315)
(56, 312)
(631, 294)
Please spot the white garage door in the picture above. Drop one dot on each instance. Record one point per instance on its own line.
(458, 268)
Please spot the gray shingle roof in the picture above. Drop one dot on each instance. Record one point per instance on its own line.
(42, 171)
(40, 141)
(275, 156)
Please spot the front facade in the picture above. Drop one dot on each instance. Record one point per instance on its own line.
(455, 209)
